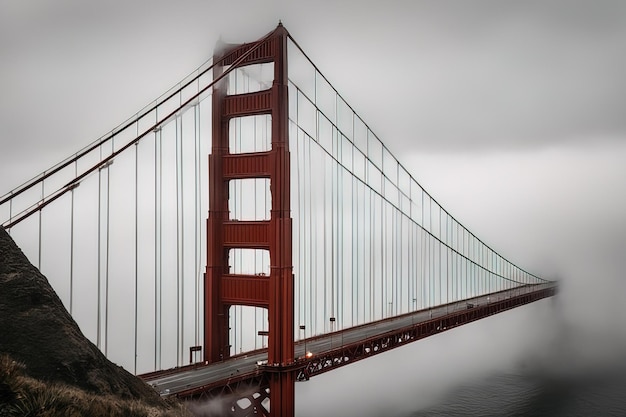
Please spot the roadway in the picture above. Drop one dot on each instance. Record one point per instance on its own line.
(190, 378)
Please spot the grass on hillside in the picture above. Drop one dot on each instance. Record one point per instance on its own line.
(23, 396)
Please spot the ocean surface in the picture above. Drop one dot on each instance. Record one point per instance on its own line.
(537, 394)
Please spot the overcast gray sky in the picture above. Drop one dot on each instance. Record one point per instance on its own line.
(511, 114)
(499, 109)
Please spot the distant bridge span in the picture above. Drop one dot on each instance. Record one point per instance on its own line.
(244, 376)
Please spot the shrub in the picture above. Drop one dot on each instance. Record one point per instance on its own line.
(23, 396)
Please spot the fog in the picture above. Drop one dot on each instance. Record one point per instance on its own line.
(511, 115)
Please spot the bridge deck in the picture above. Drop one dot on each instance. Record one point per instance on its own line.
(194, 379)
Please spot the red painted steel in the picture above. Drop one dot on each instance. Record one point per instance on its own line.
(265, 53)
(248, 104)
(249, 165)
(250, 290)
(223, 233)
(215, 312)
(352, 352)
(247, 234)
(254, 384)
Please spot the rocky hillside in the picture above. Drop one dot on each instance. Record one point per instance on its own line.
(38, 334)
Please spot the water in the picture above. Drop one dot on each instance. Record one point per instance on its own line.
(537, 394)
(541, 360)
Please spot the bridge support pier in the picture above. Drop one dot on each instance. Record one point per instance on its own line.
(282, 394)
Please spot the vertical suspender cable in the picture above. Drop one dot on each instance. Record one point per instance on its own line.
(177, 123)
(457, 289)
(377, 215)
(426, 251)
(325, 240)
(135, 330)
(474, 269)
(481, 269)
(160, 275)
(439, 247)
(10, 211)
(332, 241)
(43, 193)
(353, 241)
(315, 228)
(402, 271)
(448, 260)
(367, 236)
(431, 254)
(393, 256)
(383, 253)
(157, 246)
(371, 251)
(410, 259)
(312, 250)
(414, 252)
(302, 261)
(300, 240)
(478, 263)
(72, 244)
(494, 273)
(473, 266)
(417, 303)
(330, 260)
(465, 281)
(489, 269)
(458, 266)
(98, 337)
(416, 265)
(468, 248)
(304, 237)
(340, 226)
(466, 272)
(180, 241)
(405, 245)
(196, 222)
(469, 264)
(394, 261)
(399, 256)
(106, 265)
(421, 232)
(156, 224)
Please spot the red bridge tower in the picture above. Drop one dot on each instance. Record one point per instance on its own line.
(221, 288)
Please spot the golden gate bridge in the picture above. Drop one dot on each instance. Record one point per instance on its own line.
(319, 249)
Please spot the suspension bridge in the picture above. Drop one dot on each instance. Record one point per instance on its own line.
(320, 249)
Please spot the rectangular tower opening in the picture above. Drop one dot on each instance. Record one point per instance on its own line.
(249, 261)
(250, 134)
(249, 199)
(250, 78)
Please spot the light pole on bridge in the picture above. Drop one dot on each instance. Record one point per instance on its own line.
(303, 328)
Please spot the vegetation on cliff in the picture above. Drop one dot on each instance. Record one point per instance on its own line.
(47, 366)
(21, 395)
